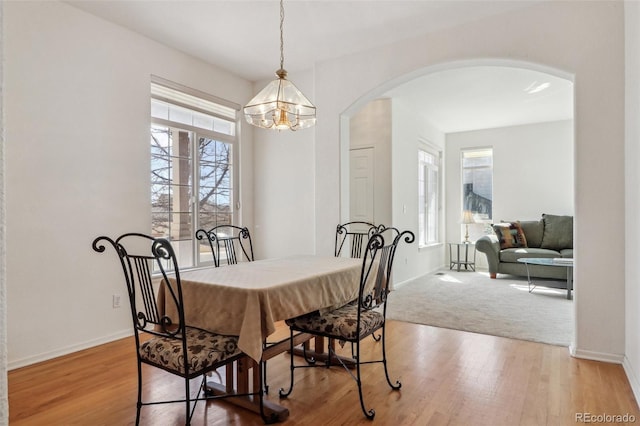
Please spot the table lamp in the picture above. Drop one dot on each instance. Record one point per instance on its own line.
(467, 218)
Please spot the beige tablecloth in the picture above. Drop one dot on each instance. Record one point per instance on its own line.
(248, 298)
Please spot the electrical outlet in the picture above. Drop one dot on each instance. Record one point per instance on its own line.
(116, 301)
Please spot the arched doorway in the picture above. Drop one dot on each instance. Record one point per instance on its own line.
(520, 86)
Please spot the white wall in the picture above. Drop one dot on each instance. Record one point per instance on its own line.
(371, 128)
(532, 173)
(396, 130)
(584, 39)
(632, 183)
(77, 135)
(409, 129)
(285, 209)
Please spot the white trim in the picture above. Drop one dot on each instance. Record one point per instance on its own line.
(192, 107)
(45, 356)
(429, 146)
(631, 377)
(596, 356)
(193, 92)
(199, 130)
(425, 168)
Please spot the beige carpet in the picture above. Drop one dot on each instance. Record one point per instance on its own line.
(471, 301)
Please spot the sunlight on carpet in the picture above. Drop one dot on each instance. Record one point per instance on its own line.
(471, 301)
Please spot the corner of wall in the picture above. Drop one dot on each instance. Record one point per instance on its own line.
(4, 403)
(631, 377)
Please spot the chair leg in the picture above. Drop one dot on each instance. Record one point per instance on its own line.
(398, 385)
(310, 359)
(139, 403)
(187, 402)
(369, 414)
(282, 392)
(264, 378)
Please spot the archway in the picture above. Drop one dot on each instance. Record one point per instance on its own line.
(433, 257)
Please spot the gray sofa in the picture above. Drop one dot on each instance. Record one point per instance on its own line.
(550, 237)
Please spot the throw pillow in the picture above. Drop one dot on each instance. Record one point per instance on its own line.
(510, 235)
(533, 229)
(558, 232)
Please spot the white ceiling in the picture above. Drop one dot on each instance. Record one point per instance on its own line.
(483, 97)
(243, 37)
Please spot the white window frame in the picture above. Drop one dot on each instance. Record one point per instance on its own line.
(429, 194)
(188, 251)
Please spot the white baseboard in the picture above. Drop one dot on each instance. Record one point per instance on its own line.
(596, 356)
(396, 285)
(45, 356)
(632, 377)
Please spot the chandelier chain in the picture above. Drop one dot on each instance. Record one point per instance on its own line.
(280, 105)
(281, 34)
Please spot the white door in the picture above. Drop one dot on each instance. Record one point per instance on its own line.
(361, 185)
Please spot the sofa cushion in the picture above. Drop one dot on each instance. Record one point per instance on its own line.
(533, 231)
(567, 253)
(510, 235)
(513, 254)
(558, 232)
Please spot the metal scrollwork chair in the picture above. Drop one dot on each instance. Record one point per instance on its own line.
(172, 345)
(227, 242)
(361, 318)
(354, 235)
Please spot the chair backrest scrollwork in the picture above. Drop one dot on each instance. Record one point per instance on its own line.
(228, 243)
(137, 254)
(354, 235)
(377, 263)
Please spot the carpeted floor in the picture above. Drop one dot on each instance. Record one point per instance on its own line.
(471, 301)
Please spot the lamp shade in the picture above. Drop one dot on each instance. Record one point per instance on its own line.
(467, 217)
(280, 105)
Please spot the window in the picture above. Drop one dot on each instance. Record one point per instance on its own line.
(428, 197)
(193, 156)
(477, 183)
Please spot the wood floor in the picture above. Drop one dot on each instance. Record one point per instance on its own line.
(448, 378)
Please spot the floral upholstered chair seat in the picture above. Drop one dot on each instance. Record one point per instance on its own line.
(204, 349)
(340, 323)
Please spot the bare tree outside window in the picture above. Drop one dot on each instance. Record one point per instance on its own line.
(215, 201)
(172, 183)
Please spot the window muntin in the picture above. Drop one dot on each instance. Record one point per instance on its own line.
(428, 197)
(192, 173)
(477, 183)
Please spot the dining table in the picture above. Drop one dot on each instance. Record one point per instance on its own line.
(248, 299)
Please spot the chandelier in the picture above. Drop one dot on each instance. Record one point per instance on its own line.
(280, 105)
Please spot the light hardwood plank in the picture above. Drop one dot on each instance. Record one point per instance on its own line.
(448, 378)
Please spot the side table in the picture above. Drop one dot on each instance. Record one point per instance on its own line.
(563, 261)
(462, 254)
